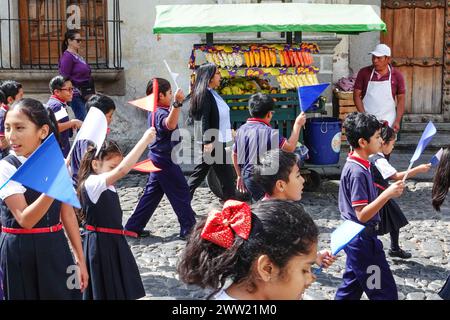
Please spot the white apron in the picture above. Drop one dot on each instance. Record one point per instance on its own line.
(379, 101)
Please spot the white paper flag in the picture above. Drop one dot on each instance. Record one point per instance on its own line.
(94, 129)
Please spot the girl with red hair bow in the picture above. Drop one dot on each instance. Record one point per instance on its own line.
(266, 251)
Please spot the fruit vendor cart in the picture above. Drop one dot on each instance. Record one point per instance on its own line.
(277, 68)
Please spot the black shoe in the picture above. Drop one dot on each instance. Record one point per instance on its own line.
(400, 253)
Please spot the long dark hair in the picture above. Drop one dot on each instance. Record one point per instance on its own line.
(70, 34)
(280, 229)
(108, 149)
(38, 114)
(441, 181)
(203, 76)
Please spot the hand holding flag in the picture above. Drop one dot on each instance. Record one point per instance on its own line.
(45, 172)
(340, 237)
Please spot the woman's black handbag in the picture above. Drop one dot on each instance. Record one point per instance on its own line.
(87, 89)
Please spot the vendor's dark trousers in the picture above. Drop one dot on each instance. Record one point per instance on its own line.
(367, 271)
(223, 171)
(171, 182)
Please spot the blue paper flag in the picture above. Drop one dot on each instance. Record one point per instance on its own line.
(345, 233)
(436, 158)
(427, 135)
(45, 171)
(307, 95)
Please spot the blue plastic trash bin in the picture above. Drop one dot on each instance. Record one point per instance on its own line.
(323, 139)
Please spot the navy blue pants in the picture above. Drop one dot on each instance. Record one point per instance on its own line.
(171, 182)
(367, 271)
(253, 188)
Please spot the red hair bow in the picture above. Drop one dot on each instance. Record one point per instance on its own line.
(236, 216)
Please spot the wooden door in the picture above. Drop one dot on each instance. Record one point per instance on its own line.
(44, 22)
(416, 32)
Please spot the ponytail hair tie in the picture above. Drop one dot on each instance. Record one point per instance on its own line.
(221, 226)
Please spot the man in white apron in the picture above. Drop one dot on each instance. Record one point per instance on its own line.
(380, 89)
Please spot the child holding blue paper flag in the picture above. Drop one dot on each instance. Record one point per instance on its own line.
(441, 184)
(266, 250)
(112, 267)
(35, 257)
(255, 137)
(392, 217)
(360, 203)
(279, 177)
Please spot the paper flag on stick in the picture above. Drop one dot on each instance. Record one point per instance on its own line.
(345, 233)
(45, 172)
(147, 103)
(146, 166)
(307, 95)
(427, 135)
(436, 158)
(173, 75)
(94, 129)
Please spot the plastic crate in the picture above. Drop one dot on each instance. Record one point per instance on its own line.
(286, 110)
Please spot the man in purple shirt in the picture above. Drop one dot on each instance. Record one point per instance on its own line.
(358, 202)
(380, 88)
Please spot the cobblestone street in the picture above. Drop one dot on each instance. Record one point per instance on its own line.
(427, 237)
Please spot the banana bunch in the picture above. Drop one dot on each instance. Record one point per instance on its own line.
(295, 81)
(225, 60)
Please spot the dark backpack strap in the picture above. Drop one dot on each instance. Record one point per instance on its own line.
(12, 159)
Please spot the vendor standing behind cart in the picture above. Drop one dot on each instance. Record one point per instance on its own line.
(211, 116)
(380, 89)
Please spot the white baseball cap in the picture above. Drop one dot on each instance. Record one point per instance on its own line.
(381, 50)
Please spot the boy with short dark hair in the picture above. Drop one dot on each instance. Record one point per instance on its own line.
(61, 89)
(256, 137)
(366, 267)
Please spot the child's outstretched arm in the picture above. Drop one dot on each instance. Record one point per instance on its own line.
(291, 143)
(366, 212)
(172, 119)
(130, 160)
(423, 168)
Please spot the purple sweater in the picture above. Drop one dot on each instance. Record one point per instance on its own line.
(75, 68)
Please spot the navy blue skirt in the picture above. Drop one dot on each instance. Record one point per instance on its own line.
(38, 267)
(392, 218)
(113, 272)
